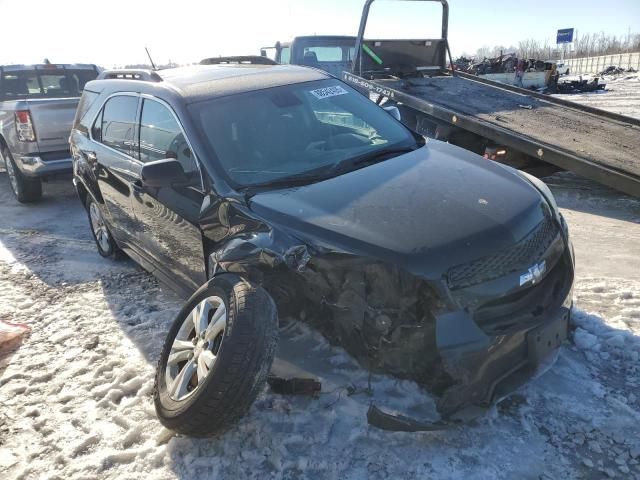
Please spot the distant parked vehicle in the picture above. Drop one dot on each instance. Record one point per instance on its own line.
(331, 53)
(37, 106)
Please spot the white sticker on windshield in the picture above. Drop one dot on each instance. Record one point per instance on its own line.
(328, 92)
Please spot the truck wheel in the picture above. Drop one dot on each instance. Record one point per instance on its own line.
(25, 189)
(107, 246)
(216, 357)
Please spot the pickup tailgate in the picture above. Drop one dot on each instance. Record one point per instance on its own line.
(52, 120)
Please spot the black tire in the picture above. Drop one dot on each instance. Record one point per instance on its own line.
(242, 363)
(108, 248)
(25, 189)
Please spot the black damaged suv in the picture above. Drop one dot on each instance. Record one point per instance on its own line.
(269, 189)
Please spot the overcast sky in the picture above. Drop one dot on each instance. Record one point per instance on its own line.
(115, 32)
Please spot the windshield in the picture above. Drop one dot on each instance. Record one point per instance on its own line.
(303, 129)
(46, 83)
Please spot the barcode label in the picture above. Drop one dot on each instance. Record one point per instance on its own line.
(328, 92)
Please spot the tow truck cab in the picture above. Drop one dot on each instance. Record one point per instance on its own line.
(330, 53)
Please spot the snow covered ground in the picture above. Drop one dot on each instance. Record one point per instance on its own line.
(75, 398)
(622, 95)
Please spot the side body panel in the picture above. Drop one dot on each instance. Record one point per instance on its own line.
(157, 227)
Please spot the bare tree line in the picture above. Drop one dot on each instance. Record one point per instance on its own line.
(585, 45)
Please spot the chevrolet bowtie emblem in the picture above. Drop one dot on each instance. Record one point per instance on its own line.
(534, 274)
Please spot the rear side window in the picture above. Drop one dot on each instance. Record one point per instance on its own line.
(118, 122)
(161, 137)
(84, 105)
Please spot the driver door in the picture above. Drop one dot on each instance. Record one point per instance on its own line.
(169, 216)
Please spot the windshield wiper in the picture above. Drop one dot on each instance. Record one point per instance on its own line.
(326, 172)
(375, 156)
(381, 154)
(290, 181)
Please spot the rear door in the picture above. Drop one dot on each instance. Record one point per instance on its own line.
(169, 216)
(116, 170)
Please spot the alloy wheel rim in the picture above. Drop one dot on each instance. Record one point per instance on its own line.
(99, 228)
(195, 348)
(12, 175)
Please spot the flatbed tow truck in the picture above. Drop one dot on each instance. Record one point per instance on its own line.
(506, 123)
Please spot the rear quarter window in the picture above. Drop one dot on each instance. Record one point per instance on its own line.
(86, 102)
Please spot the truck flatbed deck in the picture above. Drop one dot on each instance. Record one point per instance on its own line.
(481, 114)
(593, 143)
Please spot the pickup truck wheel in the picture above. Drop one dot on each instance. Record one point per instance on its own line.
(216, 357)
(107, 246)
(25, 189)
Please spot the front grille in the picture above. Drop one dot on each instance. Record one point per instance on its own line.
(529, 306)
(517, 258)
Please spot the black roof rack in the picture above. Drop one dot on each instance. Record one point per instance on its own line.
(144, 75)
(240, 59)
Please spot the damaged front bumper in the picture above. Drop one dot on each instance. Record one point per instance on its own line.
(495, 346)
(489, 367)
(468, 345)
(468, 334)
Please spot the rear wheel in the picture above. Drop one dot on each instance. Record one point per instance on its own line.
(25, 189)
(216, 357)
(107, 246)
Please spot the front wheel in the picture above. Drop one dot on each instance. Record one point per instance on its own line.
(25, 189)
(216, 357)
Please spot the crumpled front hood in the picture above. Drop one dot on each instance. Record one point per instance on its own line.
(426, 210)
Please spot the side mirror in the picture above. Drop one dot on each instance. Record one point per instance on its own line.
(393, 111)
(162, 173)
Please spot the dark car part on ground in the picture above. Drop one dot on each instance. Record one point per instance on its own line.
(401, 423)
(421, 259)
(294, 386)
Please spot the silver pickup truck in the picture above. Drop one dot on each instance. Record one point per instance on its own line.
(37, 108)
